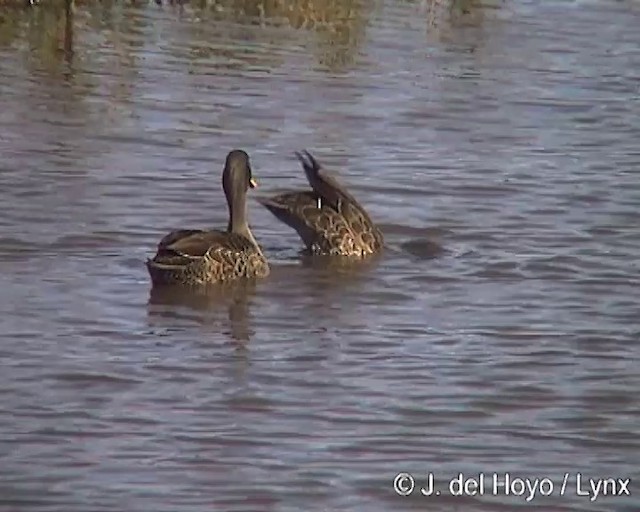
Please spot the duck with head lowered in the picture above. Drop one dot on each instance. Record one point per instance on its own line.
(328, 219)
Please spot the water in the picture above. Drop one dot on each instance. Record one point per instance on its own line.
(496, 146)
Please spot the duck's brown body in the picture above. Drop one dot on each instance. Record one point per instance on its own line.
(327, 218)
(194, 257)
(201, 257)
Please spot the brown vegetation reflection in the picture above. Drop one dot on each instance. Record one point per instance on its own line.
(48, 30)
(338, 26)
(57, 33)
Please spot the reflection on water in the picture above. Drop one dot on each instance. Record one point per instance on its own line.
(339, 25)
(457, 13)
(339, 268)
(494, 142)
(169, 304)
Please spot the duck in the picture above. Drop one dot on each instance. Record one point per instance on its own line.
(197, 257)
(328, 219)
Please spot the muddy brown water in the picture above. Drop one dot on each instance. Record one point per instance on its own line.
(497, 146)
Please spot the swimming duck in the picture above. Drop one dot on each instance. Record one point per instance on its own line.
(327, 218)
(193, 257)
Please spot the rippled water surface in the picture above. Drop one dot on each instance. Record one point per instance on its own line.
(496, 145)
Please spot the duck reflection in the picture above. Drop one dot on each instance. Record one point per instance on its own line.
(204, 305)
(338, 269)
(453, 11)
(327, 285)
(446, 17)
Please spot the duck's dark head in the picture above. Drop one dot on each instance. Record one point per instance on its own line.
(237, 176)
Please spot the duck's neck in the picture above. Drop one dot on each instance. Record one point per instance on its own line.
(238, 218)
(237, 213)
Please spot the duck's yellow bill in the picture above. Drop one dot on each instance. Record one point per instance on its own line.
(253, 183)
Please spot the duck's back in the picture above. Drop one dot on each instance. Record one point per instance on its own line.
(197, 257)
(343, 230)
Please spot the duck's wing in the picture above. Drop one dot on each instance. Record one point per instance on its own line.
(302, 211)
(327, 218)
(175, 236)
(184, 246)
(321, 228)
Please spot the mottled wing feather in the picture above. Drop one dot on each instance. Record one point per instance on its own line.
(199, 244)
(233, 257)
(363, 229)
(198, 257)
(176, 235)
(324, 229)
(182, 247)
(328, 218)
(299, 210)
